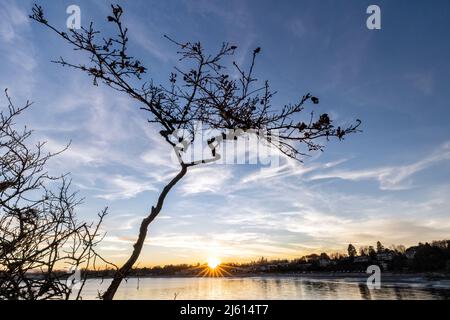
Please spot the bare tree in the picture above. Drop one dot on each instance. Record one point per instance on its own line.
(204, 91)
(39, 231)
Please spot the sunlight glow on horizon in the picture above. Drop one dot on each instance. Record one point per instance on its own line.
(213, 262)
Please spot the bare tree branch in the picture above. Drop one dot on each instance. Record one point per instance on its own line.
(39, 232)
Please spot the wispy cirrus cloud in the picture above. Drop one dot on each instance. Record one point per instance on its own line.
(332, 219)
(391, 177)
(17, 51)
(12, 21)
(122, 222)
(125, 187)
(146, 36)
(422, 81)
(288, 168)
(209, 179)
(226, 245)
(111, 137)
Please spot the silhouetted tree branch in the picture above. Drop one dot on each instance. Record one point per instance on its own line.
(206, 91)
(39, 232)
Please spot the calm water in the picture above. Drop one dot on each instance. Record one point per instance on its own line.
(270, 288)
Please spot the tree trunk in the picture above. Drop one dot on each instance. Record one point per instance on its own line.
(137, 247)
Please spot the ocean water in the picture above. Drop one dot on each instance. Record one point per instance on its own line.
(278, 288)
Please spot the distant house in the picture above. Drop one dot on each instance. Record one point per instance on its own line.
(262, 268)
(279, 265)
(312, 257)
(385, 256)
(410, 253)
(324, 262)
(361, 259)
(304, 266)
(184, 272)
(384, 266)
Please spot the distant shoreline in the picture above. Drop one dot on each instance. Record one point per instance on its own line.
(387, 276)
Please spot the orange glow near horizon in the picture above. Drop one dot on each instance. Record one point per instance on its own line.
(213, 268)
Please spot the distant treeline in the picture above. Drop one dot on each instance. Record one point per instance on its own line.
(425, 257)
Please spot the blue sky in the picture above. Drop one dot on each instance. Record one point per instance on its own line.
(389, 183)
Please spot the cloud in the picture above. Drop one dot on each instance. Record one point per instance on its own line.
(92, 169)
(112, 248)
(125, 187)
(17, 50)
(422, 81)
(244, 230)
(271, 212)
(393, 177)
(12, 21)
(297, 27)
(226, 245)
(288, 168)
(122, 222)
(331, 220)
(241, 25)
(238, 14)
(144, 35)
(77, 154)
(206, 179)
(113, 152)
(161, 155)
(105, 116)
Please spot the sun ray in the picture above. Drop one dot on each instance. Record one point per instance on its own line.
(213, 269)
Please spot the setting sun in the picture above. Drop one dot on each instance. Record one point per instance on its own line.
(213, 268)
(213, 263)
